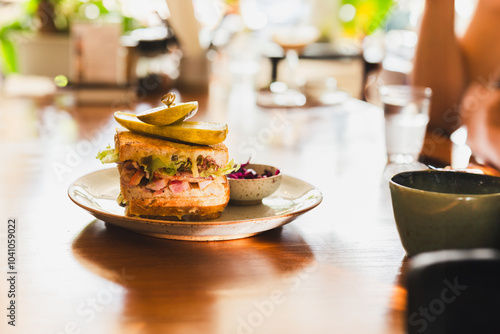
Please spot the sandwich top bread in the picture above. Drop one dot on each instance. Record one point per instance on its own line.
(132, 146)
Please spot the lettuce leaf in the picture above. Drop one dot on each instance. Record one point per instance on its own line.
(227, 169)
(121, 201)
(109, 155)
(166, 166)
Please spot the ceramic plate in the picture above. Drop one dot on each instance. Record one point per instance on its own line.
(97, 192)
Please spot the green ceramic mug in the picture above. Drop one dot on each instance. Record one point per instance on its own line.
(436, 210)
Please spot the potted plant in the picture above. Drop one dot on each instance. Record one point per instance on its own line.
(45, 24)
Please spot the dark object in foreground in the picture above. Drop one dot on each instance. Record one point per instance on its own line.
(454, 292)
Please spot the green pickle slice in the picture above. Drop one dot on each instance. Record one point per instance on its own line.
(200, 133)
(166, 115)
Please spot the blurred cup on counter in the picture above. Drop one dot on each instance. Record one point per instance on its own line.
(406, 113)
(324, 91)
(316, 88)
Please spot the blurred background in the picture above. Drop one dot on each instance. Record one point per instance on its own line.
(113, 52)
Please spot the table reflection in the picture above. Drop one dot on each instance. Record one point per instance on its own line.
(157, 289)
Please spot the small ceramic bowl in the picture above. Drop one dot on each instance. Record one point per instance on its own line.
(252, 191)
(437, 210)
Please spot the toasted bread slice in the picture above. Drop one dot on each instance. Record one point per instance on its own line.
(190, 206)
(133, 146)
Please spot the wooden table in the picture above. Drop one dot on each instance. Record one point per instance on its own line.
(336, 269)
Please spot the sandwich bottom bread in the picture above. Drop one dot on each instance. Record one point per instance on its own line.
(168, 180)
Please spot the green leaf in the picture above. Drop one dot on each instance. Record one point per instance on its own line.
(157, 163)
(369, 16)
(227, 169)
(8, 56)
(109, 155)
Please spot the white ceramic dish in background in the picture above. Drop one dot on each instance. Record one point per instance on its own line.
(97, 192)
(325, 91)
(252, 191)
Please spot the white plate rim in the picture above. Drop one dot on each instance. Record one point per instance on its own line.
(102, 214)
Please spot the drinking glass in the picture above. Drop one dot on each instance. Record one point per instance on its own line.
(287, 93)
(293, 40)
(291, 27)
(406, 114)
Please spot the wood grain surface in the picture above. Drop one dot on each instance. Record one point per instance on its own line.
(336, 269)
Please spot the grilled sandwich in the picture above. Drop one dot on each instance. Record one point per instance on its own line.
(169, 180)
